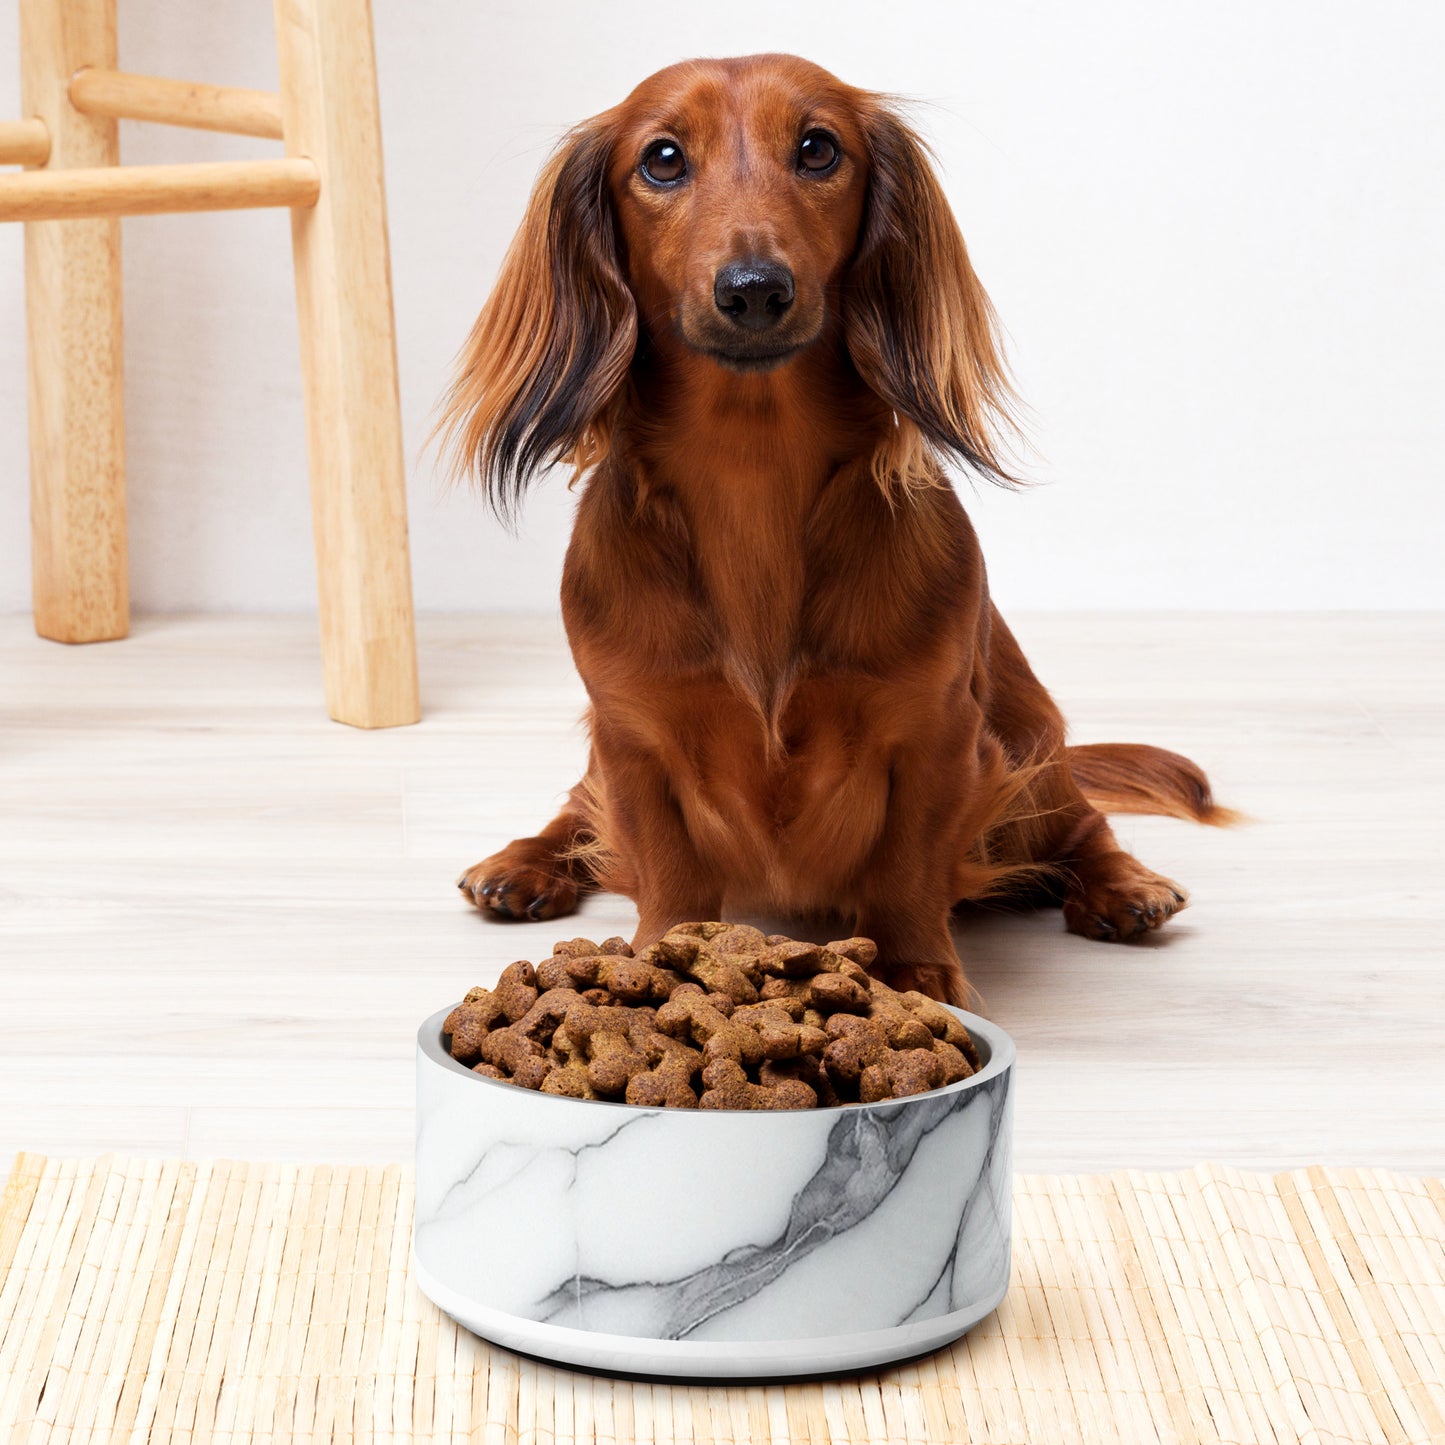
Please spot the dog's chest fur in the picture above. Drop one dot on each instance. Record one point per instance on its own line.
(775, 658)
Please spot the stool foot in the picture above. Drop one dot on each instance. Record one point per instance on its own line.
(73, 324)
(348, 360)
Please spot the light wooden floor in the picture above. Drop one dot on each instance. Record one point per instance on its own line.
(222, 916)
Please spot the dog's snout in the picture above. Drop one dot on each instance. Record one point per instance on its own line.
(754, 294)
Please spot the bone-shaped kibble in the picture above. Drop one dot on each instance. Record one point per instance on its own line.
(552, 972)
(795, 960)
(856, 1044)
(604, 1033)
(832, 993)
(516, 989)
(955, 1062)
(470, 1022)
(521, 1057)
(807, 1069)
(738, 938)
(770, 1022)
(717, 973)
(781, 1036)
(630, 980)
(862, 951)
(726, 1086)
(720, 1001)
(575, 947)
(904, 1030)
(899, 1074)
(570, 1081)
(941, 1024)
(692, 1017)
(668, 1083)
(541, 1020)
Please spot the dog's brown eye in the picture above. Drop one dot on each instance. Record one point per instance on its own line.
(818, 152)
(664, 162)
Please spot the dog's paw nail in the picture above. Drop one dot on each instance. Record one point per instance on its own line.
(1176, 895)
(487, 890)
(1106, 929)
(535, 907)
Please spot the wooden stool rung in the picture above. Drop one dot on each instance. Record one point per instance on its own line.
(24, 142)
(122, 96)
(61, 195)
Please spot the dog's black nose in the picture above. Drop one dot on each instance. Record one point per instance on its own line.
(755, 294)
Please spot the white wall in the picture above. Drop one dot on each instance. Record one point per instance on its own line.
(1213, 230)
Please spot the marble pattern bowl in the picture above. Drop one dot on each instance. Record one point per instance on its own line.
(712, 1243)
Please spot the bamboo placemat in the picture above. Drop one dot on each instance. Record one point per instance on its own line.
(150, 1300)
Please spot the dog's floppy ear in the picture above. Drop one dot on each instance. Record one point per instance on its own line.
(540, 370)
(919, 325)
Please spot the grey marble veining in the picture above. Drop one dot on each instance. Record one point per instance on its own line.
(711, 1229)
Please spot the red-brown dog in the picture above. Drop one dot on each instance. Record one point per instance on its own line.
(740, 305)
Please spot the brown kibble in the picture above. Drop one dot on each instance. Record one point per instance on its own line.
(541, 1020)
(857, 1043)
(605, 1035)
(689, 1016)
(713, 1015)
(668, 1083)
(552, 972)
(570, 1081)
(575, 948)
(796, 960)
(903, 1029)
(470, 1022)
(513, 1051)
(941, 1023)
(629, 980)
(688, 955)
(739, 938)
(775, 988)
(862, 951)
(955, 1063)
(912, 1071)
(516, 989)
(836, 993)
(789, 1006)
(726, 1086)
(705, 931)
(808, 1069)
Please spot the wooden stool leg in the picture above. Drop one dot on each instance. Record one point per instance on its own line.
(72, 296)
(348, 359)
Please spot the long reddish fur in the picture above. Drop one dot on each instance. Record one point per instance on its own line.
(802, 697)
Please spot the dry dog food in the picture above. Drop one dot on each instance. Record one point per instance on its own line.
(713, 1016)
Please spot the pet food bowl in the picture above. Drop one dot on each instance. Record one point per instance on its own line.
(700, 1243)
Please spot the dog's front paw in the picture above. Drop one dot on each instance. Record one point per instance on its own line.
(515, 886)
(1117, 899)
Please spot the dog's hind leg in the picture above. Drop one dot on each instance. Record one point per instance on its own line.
(539, 877)
(1106, 892)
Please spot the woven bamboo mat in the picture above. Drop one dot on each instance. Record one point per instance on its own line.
(145, 1299)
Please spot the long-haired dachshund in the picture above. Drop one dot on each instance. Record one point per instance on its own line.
(740, 307)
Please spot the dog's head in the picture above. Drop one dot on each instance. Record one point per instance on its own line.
(730, 214)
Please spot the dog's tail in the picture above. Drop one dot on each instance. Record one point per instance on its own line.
(1135, 778)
